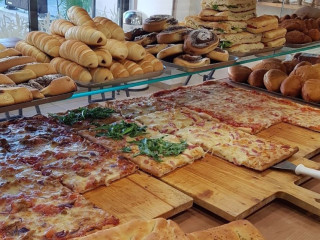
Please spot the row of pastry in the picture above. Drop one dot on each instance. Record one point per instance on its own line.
(88, 50)
(236, 24)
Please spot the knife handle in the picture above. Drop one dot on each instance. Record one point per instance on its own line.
(301, 169)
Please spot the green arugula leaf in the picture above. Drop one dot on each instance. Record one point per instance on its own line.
(118, 130)
(215, 7)
(83, 113)
(158, 148)
(220, 30)
(225, 44)
(126, 150)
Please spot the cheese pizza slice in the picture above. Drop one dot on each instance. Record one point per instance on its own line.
(237, 146)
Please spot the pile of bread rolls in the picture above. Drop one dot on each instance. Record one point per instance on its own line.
(299, 77)
(88, 50)
(22, 79)
(163, 37)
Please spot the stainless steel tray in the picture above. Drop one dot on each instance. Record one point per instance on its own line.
(35, 102)
(254, 52)
(295, 45)
(232, 59)
(300, 100)
(119, 81)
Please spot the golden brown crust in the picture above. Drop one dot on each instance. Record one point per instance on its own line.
(101, 74)
(256, 78)
(19, 94)
(79, 16)
(158, 23)
(311, 90)
(291, 86)
(135, 51)
(273, 79)
(29, 50)
(59, 86)
(170, 51)
(5, 80)
(239, 73)
(189, 61)
(218, 55)
(44, 42)
(116, 31)
(154, 49)
(172, 34)
(269, 64)
(9, 62)
(199, 42)
(8, 52)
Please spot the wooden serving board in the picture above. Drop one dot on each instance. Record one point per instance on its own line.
(234, 192)
(140, 196)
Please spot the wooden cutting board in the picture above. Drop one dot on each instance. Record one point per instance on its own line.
(140, 196)
(234, 192)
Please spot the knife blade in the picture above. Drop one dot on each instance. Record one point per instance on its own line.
(300, 169)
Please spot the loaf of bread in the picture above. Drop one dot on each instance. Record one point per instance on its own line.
(87, 35)
(306, 72)
(239, 73)
(71, 69)
(59, 86)
(146, 66)
(79, 16)
(116, 31)
(273, 79)
(79, 52)
(21, 76)
(104, 57)
(9, 62)
(6, 99)
(256, 78)
(40, 69)
(36, 94)
(156, 63)
(133, 68)
(135, 51)
(5, 80)
(118, 70)
(101, 75)
(291, 86)
(118, 49)
(311, 90)
(29, 50)
(9, 52)
(19, 94)
(104, 29)
(44, 42)
(60, 27)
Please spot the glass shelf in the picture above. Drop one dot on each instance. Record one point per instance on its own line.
(171, 73)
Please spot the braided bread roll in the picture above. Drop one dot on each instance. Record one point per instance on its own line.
(100, 75)
(133, 68)
(135, 51)
(60, 27)
(118, 50)
(104, 57)
(71, 69)
(79, 16)
(45, 42)
(29, 50)
(87, 35)
(79, 52)
(116, 31)
(118, 70)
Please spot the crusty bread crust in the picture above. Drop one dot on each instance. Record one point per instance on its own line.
(262, 21)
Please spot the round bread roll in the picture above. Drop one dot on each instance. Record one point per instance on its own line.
(291, 86)
(290, 65)
(270, 64)
(305, 73)
(311, 90)
(239, 73)
(300, 64)
(273, 78)
(256, 78)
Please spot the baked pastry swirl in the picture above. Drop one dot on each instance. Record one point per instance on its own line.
(191, 61)
(200, 41)
(157, 23)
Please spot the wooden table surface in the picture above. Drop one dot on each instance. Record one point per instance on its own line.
(279, 220)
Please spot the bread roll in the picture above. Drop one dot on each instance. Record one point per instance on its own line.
(29, 50)
(21, 75)
(61, 39)
(135, 51)
(118, 70)
(256, 78)
(290, 65)
(303, 63)
(19, 94)
(104, 29)
(270, 64)
(156, 63)
(71, 69)
(9, 62)
(146, 66)
(44, 42)
(291, 86)
(5, 80)
(306, 72)
(59, 86)
(6, 99)
(116, 31)
(79, 16)
(118, 50)
(273, 79)
(311, 90)
(133, 68)
(8, 52)
(79, 52)
(60, 27)
(239, 73)
(87, 35)
(101, 75)
(104, 57)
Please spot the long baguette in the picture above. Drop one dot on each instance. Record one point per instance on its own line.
(60, 27)
(5, 80)
(79, 16)
(21, 76)
(44, 42)
(8, 52)
(6, 99)
(71, 69)
(19, 94)
(79, 52)
(29, 50)
(40, 69)
(9, 62)
(87, 35)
